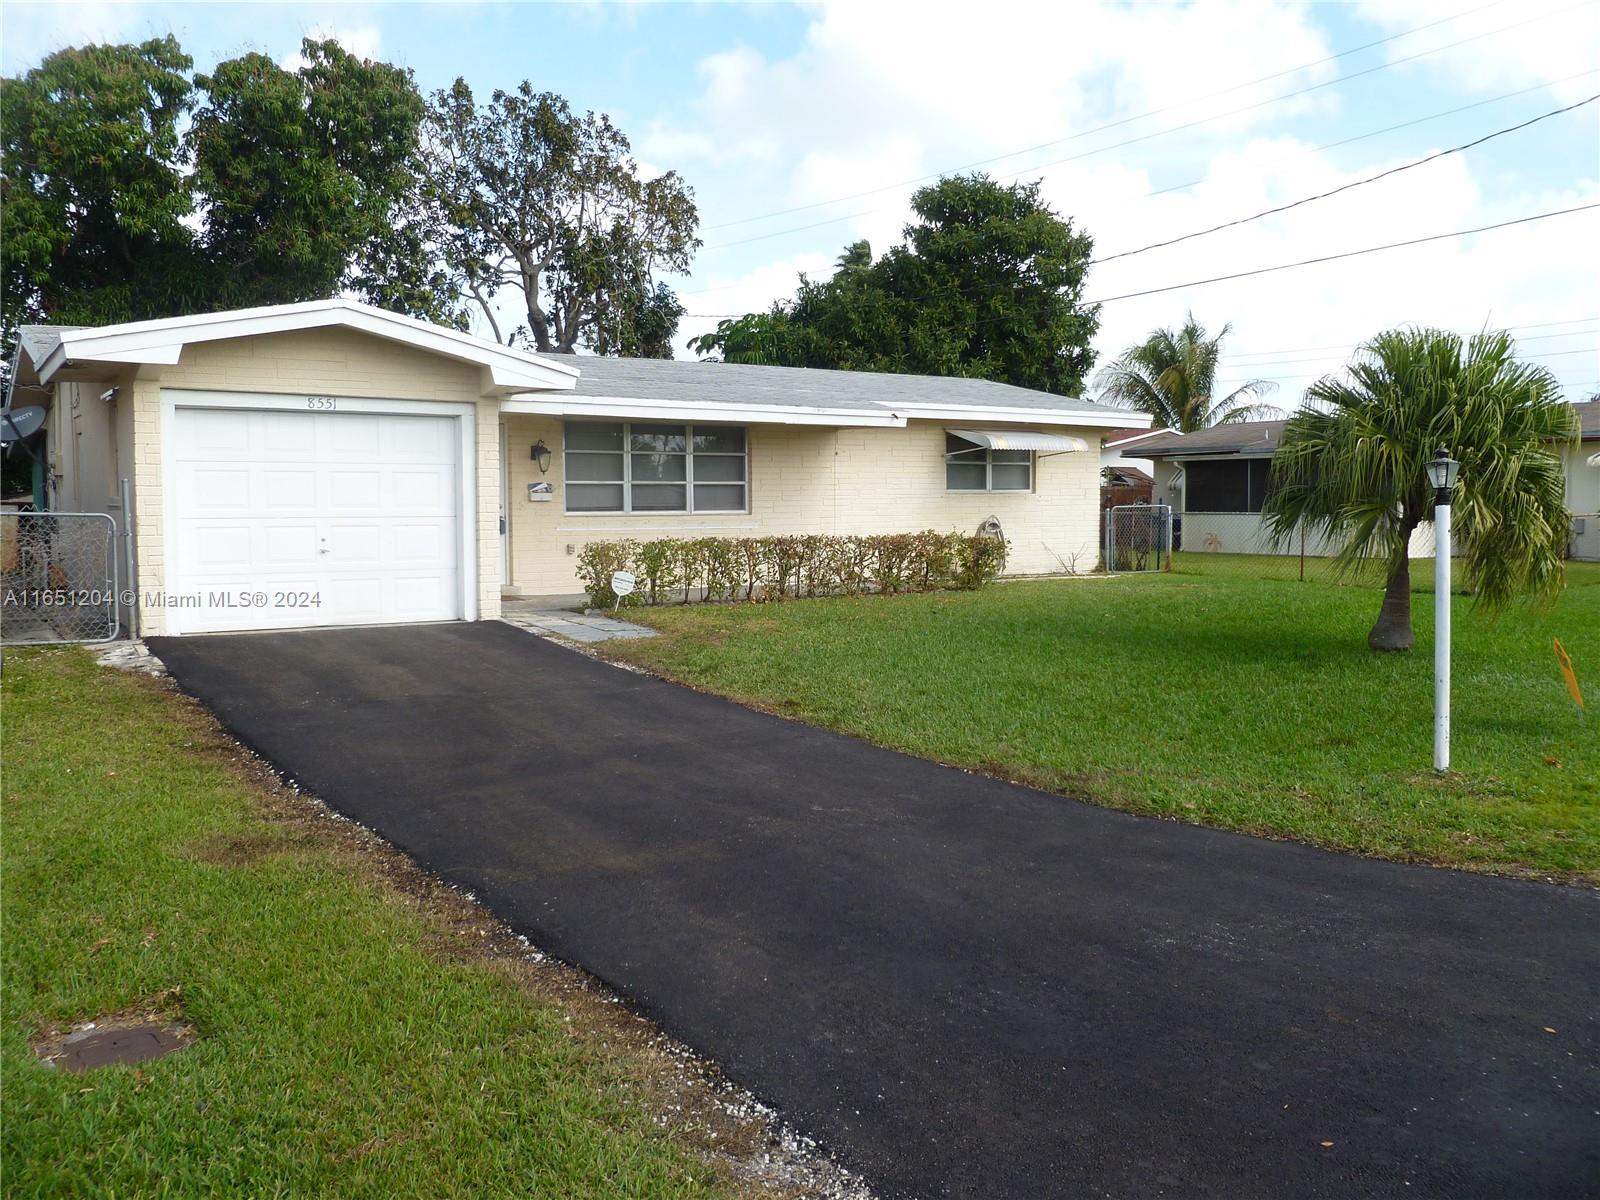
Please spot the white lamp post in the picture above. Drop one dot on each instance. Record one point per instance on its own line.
(1442, 472)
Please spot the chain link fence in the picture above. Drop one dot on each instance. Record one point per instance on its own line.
(1138, 537)
(58, 578)
(1239, 545)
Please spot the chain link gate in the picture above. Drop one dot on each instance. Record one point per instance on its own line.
(1139, 538)
(58, 578)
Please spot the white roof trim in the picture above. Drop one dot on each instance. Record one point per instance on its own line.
(1138, 437)
(677, 410)
(1022, 439)
(162, 342)
(989, 412)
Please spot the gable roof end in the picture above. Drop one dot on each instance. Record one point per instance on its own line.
(162, 341)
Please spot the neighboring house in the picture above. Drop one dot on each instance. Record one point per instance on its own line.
(1216, 482)
(397, 471)
(1581, 464)
(1120, 448)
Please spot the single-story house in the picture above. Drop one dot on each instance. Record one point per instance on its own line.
(1216, 481)
(369, 467)
(1119, 448)
(1581, 464)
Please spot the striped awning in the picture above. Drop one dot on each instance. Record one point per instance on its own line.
(1022, 439)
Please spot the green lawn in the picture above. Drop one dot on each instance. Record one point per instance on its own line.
(354, 1039)
(1232, 701)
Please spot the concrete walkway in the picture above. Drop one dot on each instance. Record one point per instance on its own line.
(568, 623)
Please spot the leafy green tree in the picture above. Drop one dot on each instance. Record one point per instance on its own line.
(93, 188)
(1353, 466)
(281, 187)
(531, 200)
(988, 284)
(1172, 375)
(299, 171)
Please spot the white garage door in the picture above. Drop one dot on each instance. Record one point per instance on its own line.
(287, 518)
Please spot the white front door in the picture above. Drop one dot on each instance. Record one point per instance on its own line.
(289, 518)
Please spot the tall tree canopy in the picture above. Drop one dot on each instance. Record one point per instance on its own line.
(523, 197)
(280, 186)
(1172, 375)
(1353, 466)
(988, 284)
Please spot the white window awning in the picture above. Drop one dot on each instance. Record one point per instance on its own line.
(1022, 439)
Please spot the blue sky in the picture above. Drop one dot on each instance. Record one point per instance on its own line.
(764, 108)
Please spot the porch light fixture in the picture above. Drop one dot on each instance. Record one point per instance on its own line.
(1442, 473)
(541, 455)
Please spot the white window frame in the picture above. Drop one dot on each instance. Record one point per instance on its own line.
(689, 454)
(965, 458)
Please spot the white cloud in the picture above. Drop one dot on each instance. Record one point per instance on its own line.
(877, 94)
(1553, 40)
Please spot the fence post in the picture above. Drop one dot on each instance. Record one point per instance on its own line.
(132, 586)
(1302, 551)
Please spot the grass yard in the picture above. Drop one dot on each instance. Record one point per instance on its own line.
(1219, 699)
(362, 1033)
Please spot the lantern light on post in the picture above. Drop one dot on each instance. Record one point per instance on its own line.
(1442, 473)
(541, 455)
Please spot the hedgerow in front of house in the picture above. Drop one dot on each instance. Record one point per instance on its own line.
(678, 570)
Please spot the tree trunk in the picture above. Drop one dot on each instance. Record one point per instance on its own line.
(1393, 628)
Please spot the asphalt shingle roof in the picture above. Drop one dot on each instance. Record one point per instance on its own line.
(738, 383)
(1234, 438)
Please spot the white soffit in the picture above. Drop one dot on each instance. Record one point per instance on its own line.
(643, 408)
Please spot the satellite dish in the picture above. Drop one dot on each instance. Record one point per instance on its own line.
(19, 423)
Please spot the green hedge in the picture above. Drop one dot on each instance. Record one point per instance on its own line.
(677, 570)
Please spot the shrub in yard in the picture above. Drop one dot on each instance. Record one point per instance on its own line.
(775, 568)
(597, 562)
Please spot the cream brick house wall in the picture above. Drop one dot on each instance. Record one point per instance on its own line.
(812, 479)
(337, 362)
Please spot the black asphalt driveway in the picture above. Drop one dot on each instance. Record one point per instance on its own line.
(960, 986)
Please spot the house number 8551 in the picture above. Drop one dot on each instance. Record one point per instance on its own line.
(322, 403)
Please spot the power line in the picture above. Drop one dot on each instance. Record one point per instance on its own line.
(760, 237)
(1488, 137)
(1319, 374)
(1307, 262)
(1371, 133)
(1155, 112)
(1239, 360)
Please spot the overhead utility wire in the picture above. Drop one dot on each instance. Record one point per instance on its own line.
(1154, 112)
(1307, 262)
(1145, 137)
(1345, 345)
(1371, 133)
(1240, 364)
(1488, 137)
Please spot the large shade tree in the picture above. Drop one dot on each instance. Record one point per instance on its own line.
(1172, 375)
(545, 227)
(988, 284)
(1352, 466)
(132, 191)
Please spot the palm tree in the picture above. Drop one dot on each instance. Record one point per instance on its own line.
(1353, 467)
(1172, 376)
